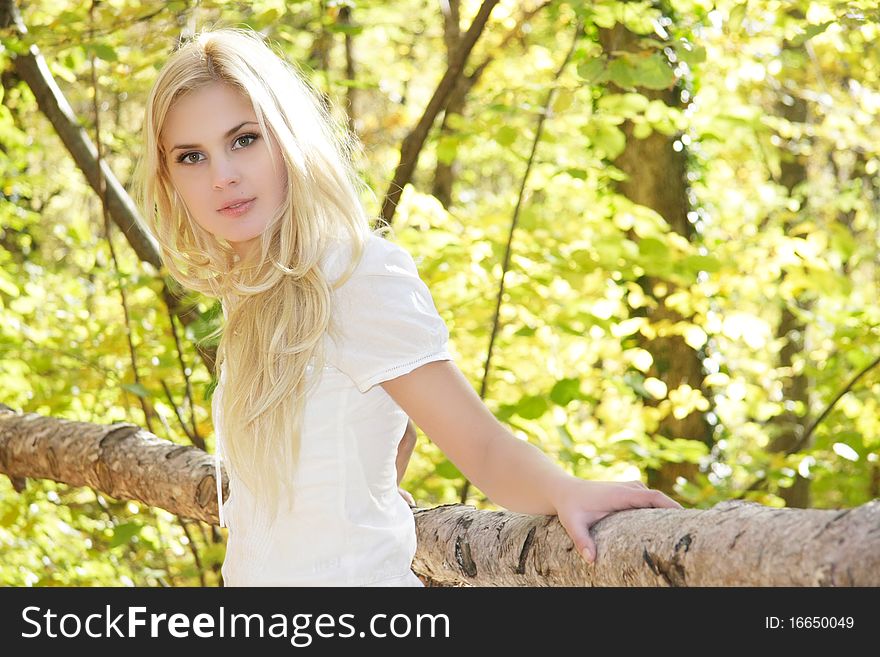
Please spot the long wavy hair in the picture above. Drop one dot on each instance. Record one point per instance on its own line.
(276, 300)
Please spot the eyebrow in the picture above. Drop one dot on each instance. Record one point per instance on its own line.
(229, 133)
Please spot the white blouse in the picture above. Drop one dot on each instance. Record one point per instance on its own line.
(350, 526)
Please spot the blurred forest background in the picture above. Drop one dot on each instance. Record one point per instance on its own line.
(651, 227)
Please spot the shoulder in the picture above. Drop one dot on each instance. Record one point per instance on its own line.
(384, 321)
(379, 257)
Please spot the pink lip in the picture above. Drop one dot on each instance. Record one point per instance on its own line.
(238, 209)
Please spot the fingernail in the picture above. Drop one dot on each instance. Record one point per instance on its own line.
(587, 555)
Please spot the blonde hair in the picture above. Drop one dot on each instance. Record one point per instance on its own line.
(277, 301)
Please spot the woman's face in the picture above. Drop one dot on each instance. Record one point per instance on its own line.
(222, 166)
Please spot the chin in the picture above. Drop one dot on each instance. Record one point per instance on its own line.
(245, 245)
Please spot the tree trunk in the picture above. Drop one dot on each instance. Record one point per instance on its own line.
(735, 543)
(351, 90)
(656, 179)
(787, 428)
(412, 144)
(444, 173)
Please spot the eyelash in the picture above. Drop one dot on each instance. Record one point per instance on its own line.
(181, 158)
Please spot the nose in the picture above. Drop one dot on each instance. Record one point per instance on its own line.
(225, 174)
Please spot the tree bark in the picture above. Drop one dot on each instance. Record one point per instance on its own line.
(656, 179)
(733, 544)
(787, 428)
(444, 174)
(122, 460)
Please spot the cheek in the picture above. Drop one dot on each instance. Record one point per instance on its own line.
(279, 177)
(194, 205)
(187, 192)
(282, 186)
(276, 174)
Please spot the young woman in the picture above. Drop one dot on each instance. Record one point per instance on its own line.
(331, 340)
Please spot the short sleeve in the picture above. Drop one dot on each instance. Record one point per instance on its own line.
(386, 321)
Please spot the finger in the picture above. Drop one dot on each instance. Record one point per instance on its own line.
(595, 517)
(642, 499)
(663, 501)
(659, 500)
(583, 542)
(407, 497)
(588, 552)
(669, 503)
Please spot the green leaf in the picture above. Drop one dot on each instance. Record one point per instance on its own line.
(526, 332)
(531, 407)
(565, 391)
(680, 450)
(642, 130)
(859, 359)
(830, 282)
(339, 28)
(447, 470)
(271, 15)
(653, 249)
(654, 72)
(505, 412)
(565, 436)
(593, 71)
(68, 18)
(688, 490)
(7, 286)
(124, 532)
(506, 135)
(608, 139)
(698, 263)
(809, 33)
(137, 389)
(201, 330)
(625, 105)
(564, 99)
(636, 381)
(735, 19)
(603, 14)
(622, 73)
(447, 147)
(691, 54)
(609, 248)
(842, 241)
(102, 51)
(210, 388)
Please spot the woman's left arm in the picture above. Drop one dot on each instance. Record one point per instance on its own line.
(405, 449)
(511, 472)
(404, 452)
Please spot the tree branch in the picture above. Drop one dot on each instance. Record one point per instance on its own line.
(32, 68)
(412, 144)
(733, 544)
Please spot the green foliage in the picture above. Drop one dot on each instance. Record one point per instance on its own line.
(572, 367)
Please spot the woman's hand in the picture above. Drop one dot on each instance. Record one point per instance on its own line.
(580, 504)
(406, 497)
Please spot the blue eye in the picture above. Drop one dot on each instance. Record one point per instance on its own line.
(184, 159)
(251, 137)
(242, 141)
